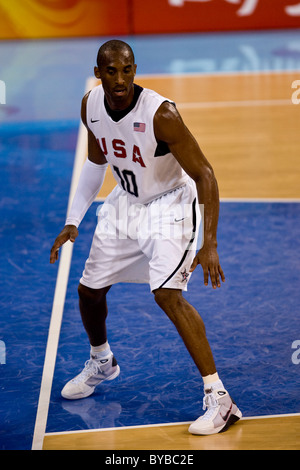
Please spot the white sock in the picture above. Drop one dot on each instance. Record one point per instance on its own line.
(101, 351)
(213, 382)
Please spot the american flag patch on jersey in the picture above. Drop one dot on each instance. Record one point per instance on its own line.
(139, 126)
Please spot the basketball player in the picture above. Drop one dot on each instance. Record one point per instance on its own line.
(163, 180)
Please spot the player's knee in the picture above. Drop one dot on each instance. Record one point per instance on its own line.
(90, 296)
(168, 299)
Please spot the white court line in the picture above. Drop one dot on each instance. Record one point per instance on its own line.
(58, 304)
(146, 426)
(241, 199)
(223, 104)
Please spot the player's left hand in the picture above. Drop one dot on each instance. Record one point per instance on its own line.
(209, 259)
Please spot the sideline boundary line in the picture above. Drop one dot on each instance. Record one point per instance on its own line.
(58, 303)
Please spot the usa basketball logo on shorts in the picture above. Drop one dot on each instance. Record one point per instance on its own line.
(184, 275)
(139, 127)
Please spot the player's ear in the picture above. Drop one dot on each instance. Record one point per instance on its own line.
(97, 72)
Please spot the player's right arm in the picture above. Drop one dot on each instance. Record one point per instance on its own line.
(95, 153)
(90, 181)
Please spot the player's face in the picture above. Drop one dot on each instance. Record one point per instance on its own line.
(117, 74)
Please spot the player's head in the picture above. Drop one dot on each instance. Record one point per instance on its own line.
(116, 69)
(113, 46)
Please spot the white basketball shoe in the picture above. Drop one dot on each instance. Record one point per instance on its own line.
(221, 413)
(94, 372)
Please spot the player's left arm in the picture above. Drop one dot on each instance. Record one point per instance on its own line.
(170, 128)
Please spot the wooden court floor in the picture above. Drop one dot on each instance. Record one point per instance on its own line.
(248, 128)
(277, 433)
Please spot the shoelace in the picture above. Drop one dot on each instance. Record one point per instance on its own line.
(210, 403)
(91, 367)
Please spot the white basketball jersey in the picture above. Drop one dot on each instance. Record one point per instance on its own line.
(131, 149)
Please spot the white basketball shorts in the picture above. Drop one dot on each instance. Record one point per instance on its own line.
(151, 243)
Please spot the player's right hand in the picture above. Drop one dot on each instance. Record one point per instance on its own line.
(69, 232)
